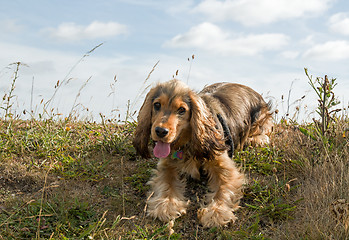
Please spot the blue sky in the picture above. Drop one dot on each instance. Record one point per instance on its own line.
(264, 44)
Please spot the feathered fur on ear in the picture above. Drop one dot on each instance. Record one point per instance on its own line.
(142, 133)
(206, 140)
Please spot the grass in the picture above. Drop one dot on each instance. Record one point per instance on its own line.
(61, 178)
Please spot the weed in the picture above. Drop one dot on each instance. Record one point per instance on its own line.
(7, 98)
(326, 99)
(117, 139)
(261, 160)
(327, 102)
(269, 202)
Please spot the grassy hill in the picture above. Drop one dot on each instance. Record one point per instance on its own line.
(79, 180)
(61, 178)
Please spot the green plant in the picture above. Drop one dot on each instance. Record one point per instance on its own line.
(36, 218)
(269, 202)
(264, 160)
(327, 101)
(158, 233)
(139, 179)
(117, 138)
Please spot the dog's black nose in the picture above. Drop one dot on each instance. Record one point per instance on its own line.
(161, 132)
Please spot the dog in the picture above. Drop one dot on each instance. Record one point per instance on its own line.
(199, 132)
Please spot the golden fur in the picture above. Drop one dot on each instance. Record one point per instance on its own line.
(206, 127)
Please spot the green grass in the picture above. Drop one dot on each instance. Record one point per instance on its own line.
(34, 219)
(65, 179)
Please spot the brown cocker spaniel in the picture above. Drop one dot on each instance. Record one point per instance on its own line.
(198, 132)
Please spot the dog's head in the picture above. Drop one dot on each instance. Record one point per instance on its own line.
(172, 116)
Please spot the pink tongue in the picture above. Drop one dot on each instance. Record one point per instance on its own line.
(161, 149)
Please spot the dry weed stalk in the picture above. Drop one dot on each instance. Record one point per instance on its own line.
(7, 98)
(77, 96)
(327, 100)
(42, 199)
(142, 90)
(192, 57)
(66, 79)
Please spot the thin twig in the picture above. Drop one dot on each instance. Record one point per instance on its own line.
(123, 187)
(146, 205)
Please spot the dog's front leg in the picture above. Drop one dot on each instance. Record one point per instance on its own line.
(167, 201)
(225, 183)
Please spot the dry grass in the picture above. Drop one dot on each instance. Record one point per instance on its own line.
(323, 179)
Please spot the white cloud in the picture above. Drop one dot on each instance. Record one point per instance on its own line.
(290, 54)
(210, 37)
(329, 51)
(73, 31)
(309, 40)
(256, 12)
(339, 23)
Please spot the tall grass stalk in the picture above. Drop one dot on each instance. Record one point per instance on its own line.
(192, 57)
(7, 98)
(31, 97)
(142, 90)
(77, 96)
(66, 79)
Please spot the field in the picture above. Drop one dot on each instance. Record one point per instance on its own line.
(62, 178)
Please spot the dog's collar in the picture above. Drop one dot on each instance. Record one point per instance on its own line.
(177, 155)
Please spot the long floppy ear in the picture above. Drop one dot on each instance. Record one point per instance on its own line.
(207, 141)
(142, 133)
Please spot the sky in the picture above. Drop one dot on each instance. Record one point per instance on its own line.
(91, 57)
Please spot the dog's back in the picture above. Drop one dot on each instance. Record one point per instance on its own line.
(242, 110)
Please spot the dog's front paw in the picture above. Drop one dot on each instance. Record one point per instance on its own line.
(166, 209)
(216, 214)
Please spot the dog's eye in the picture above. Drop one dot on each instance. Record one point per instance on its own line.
(181, 110)
(157, 106)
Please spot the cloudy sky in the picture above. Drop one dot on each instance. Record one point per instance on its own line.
(264, 44)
